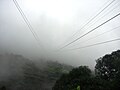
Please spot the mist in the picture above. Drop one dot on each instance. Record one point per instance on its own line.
(55, 21)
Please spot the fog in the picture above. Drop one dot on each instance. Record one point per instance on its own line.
(55, 21)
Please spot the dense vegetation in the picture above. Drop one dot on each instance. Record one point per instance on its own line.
(19, 73)
(106, 77)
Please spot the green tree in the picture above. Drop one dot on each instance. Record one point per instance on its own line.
(77, 77)
(108, 68)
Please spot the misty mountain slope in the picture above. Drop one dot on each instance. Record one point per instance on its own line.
(52, 71)
(11, 65)
(19, 73)
(106, 76)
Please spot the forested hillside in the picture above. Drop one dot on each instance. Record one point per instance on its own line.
(19, 73)
(107, 75)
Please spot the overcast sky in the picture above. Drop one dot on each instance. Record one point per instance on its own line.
(55, 21)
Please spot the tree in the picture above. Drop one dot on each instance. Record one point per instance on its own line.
(53, 70)
(108, 68)
(77, 77)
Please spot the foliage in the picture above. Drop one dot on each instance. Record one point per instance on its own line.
(25, 74)
(78, 87)
(108, 68)
(107, 75)
(78, 76)
(53, 70)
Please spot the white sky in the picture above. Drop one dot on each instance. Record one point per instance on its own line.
(55, 21)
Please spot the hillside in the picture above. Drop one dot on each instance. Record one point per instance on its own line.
(19, 73)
